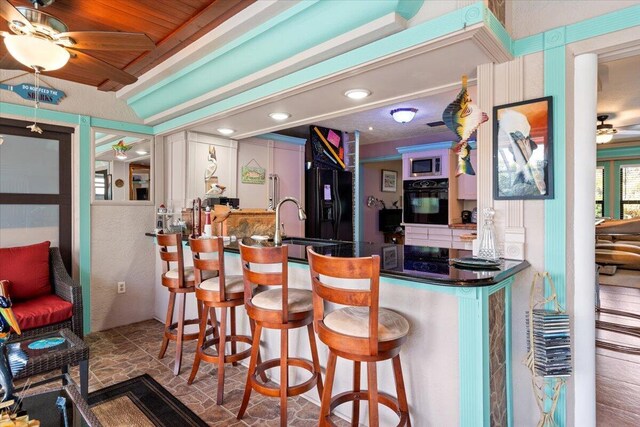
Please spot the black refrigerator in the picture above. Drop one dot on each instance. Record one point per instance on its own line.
(329, 204)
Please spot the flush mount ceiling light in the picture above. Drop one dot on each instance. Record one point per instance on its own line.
(280, 116)
(226, 131)
(403, 115)
(357, 93)
(605, 131)
(35, 52)
(141, 152)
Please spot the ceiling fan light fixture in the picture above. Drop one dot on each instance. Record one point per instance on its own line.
(36, 52)
(403, 115)
(604, 131)
(604, 138)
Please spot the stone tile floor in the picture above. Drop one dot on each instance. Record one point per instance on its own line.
(128, 351)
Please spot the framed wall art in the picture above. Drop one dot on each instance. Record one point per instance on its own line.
(523, 150)
(389, 181)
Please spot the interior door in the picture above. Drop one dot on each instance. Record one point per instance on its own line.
(35, 186)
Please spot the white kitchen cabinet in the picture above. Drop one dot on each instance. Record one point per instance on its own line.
(437, 236)
(467, 184)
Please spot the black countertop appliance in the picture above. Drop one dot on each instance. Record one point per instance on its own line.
(328, 204)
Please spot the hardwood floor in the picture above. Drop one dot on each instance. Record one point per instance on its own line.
(618, 374)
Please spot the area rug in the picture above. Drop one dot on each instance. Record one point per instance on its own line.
(140, 402)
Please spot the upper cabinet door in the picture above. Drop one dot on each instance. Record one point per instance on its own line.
(467, 184)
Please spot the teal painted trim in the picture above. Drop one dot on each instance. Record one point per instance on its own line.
(85, 181)
(43, 113)
(426, 147)
(121, 126)
(498, 30)
(263, 49)
(358, 188)
(616, 153)
(430, 30)
(593, 27)
(408, 8)
(106, 147)
(555, 210)
(473, 354)
(608, 23)
(617, 183)
(381, 158)
(528, 45)
(508, 331)
(246, 37)
(283, 138)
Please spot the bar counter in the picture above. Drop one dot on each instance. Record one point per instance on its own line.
(457, 358)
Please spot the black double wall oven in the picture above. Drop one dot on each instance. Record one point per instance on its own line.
(426, 201)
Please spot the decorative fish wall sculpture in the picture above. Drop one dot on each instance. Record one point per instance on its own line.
(463, 117)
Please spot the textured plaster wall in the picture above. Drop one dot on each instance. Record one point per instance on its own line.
(526, 18)
(80, 99)
(121, 252)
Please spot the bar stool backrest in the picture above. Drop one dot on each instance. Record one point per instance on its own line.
(167, 243)
(323, 269)
(200, 247)
(254, 257)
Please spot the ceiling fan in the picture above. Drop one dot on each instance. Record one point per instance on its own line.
(44, 43)
(606, 131)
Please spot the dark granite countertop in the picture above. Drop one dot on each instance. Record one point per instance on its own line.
(406, 262)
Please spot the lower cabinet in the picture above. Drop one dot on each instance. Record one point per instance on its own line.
(437, 236)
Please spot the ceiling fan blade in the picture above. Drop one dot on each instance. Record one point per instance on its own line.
(628, 132)
(97, 66)
(109, 40)
(10, 13)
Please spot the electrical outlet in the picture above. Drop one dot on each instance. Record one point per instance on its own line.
(122, 287)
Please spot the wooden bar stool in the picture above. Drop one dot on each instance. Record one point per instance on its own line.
(280, 308)
(361, 332)
(179, 280)
(223, 292)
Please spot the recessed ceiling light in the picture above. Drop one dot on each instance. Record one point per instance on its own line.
(280, 116)
(357, 93)
(141, 152)
(226, 131)
(370, 127)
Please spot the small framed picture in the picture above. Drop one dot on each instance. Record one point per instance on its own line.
(523, 150)
(389, 257)
(389, 181)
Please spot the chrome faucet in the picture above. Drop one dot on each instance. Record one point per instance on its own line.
(277, 238)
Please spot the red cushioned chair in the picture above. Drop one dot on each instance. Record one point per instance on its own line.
(44, 297)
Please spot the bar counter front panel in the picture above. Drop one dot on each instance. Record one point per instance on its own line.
(456, 362)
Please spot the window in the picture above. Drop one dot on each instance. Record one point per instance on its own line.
(630, 191)
(599, 192)
(35, 186)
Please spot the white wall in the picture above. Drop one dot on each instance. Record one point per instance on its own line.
(121, 252)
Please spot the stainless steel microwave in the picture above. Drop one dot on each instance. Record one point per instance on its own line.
(426, 166)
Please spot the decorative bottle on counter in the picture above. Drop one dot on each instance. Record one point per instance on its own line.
(207, 222)
(197, 204)
(488, 249)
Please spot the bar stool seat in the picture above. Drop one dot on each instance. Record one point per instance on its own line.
(354, 321)
(232, 285)
(299, 300)
(189, 275)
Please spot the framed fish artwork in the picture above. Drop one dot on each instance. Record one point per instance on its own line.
(523, 150)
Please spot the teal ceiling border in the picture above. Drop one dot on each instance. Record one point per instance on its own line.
(593, 27)
(424, 32)
(381, 158)
(83, 126)
(268, 44)
(282, 138)
(618, 152)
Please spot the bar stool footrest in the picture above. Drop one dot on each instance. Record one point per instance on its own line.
(228, 358)
(383, 398)
(171, 331)
(292, 390)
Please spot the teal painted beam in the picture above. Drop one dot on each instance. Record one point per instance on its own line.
(430, 30)
(121, 126)
(555, 210)
(283, 138)
(528, 45)
(426, 147)
(498, 30)
(619, 152)
(327, 19)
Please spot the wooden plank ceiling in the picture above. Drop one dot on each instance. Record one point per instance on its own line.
(171, 24)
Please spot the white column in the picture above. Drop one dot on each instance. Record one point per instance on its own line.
(584, 166)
